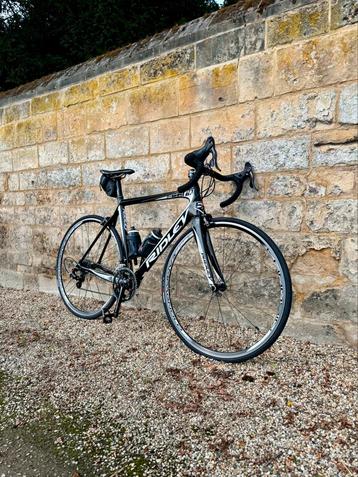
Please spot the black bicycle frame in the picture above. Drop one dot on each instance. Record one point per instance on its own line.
(193, 212)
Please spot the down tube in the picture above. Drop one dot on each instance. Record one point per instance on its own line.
(165, 241)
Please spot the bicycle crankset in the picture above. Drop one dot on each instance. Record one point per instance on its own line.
(125, 280)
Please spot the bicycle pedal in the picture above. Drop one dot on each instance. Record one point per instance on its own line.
(107, 319)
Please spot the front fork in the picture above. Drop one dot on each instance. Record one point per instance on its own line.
(210, 263)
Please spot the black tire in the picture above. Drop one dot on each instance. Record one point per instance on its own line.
(100, 305)
(255, 235)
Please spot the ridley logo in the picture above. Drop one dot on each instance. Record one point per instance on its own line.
(165, 241)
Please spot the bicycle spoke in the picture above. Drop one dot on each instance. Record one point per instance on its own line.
(223, 320)
(240, 313)
(92, 292)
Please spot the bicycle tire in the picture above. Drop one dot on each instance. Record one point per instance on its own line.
(59, 262)
(278, 325)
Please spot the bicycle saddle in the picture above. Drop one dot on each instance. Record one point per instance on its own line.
(118, 173)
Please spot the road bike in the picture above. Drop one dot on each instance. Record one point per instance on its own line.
(226, 288)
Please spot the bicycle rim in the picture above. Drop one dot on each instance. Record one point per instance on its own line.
(94, 295)
(245, 319)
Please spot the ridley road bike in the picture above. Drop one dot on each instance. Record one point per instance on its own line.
(226, 288)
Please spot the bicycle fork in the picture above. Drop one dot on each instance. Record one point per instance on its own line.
(209, 261)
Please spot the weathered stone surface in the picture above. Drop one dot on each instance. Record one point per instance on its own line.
(2, 182)
(95, 147)
(15, 112)
(46, 103)
(231, 45)
(6, 161)
(53, 153)
(13, 182)
(109, 112)
(151, 102)
(72, 121)
(272, 215)
(147, 170)
(170, 135)
(47, 284)
(59, 178)
(49, 126)
(7, 137)
(343, 12)
(274, 155)
(128, 141)
(301, 23)
(11, 279)
(7, 214)
(333, 155)
(295, 245)
(332, 137)
(332, 216)
(348, 104)
(349, 261)
(170, 64)
(323, 182)
(25, 158)
(12, 198)
(233, 124)
(332, 304)
(64, 177)
(77, 150)
(207, 89)
(89, 148)
(296, 112)
(119, 80)
(28, 132)
(317, 62)
(315, 270)
(81, 92)
(286, 185)
(256, 76)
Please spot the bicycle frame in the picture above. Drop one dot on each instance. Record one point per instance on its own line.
(194, 212)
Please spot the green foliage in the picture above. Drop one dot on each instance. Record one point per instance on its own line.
(38, 37)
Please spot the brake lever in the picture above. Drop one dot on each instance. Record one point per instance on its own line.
(250, 172)
(214, 159)
(253, 184)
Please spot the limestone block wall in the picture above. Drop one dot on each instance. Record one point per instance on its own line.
(277, 87)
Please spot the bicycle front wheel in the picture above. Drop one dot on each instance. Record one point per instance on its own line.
(246, 318)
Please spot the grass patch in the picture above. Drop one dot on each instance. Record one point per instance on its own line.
(76, 439)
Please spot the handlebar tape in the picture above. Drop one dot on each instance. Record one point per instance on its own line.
(239, 181)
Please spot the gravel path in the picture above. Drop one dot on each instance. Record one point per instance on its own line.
(129, 399)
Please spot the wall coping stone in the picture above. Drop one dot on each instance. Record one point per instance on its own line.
(221, 21)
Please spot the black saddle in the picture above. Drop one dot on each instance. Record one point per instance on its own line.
(117, 174)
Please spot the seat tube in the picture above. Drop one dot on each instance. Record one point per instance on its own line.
(122, 218)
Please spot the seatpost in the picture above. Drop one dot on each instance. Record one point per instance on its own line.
(119, 191)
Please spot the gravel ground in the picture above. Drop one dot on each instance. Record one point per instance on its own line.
(129, 399)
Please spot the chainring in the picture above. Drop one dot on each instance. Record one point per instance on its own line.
(125, 278)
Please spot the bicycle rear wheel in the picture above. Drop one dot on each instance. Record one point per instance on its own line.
(242, 321)
(86, 295)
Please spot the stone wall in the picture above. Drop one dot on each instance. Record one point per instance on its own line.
(276, 87)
